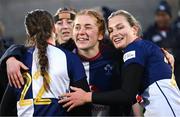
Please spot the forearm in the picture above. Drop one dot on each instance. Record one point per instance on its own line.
(131, 76)
(83, 84)
(84, 110)
(14, 50)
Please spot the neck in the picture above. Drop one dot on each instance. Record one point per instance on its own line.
(51, 41)
(61, 41)
(89, 53)
(134, 38)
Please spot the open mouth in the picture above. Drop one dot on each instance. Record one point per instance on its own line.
(82, 39)
(65, 33)
(118, 40)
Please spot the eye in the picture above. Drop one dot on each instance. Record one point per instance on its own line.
(70, 22)
(120, 27)
(88, 27)
(59, 22)
(77, 28)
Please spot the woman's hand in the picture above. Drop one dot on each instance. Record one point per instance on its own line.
(13, 67)
(169, 57)
(76, 98)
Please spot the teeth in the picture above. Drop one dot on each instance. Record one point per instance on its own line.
(82, 39)
(65, 33)
(118, 39)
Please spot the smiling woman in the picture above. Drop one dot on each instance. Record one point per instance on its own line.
(88, 31)
(145, 72)
(123, 33)
(97, 58)
(98, 62)
(44, 81)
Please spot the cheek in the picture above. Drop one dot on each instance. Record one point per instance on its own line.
(93, 34)
(56, 27)
(124, 31)
(71, 30)
(74, 33)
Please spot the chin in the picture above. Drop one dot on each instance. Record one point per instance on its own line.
(82, 47)
(66, 39)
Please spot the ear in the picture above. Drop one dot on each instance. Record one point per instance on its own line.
(135, 30)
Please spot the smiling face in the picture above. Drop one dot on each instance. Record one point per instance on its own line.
(121, 32)
(86, 32)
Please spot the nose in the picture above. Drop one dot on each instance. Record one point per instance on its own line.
(81, 31)
(115, 32)
(65, 25)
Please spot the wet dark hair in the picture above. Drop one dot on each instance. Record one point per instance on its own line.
(39, 25)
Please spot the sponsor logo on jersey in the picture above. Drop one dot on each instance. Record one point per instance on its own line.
(129, 55)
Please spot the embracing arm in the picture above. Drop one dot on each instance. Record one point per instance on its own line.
(169, 57)
(132, 81)
(132, 78)
(13, 66)
(14, 50)
(84, 110)
(77, 77)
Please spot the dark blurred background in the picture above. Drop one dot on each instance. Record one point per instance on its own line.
(12, 12)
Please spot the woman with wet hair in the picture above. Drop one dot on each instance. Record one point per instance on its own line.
(51, 72)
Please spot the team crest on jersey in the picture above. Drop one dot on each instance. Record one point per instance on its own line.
(129, 55)
(108, 69)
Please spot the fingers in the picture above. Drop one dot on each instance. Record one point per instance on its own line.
(169, 57)
(19, 73)
(71, 107)
(64, 100)
(11, 79)
(164, 51)
(23, 66)
(67, 104)
(16, 81)
(14, 73)
(21, 79)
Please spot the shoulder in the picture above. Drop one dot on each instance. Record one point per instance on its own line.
(70, 55)
(137, 50)
(142, 44)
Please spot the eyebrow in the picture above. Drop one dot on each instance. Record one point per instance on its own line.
(88, 25)
(85, 25)
(119, 24)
